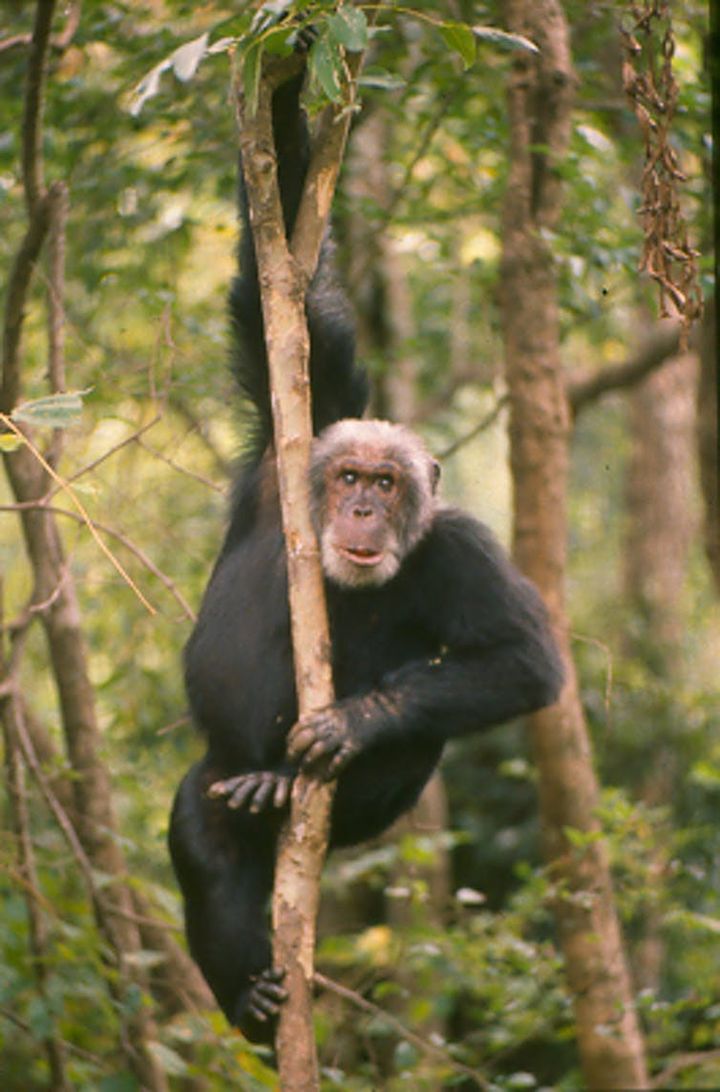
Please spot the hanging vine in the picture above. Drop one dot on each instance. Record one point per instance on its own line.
(649, 82)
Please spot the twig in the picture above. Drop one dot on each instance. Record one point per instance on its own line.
(21, 1025)
(481, 426)
(59, 41)
(423, 1045)
(61, 817)
(683, 1061)
(582, 391)
(181, 469)
(10, 424)
(111, 532)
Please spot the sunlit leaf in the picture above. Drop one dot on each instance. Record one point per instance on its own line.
(186, 59)
(169, 1060)
(504, 38)
(348, 27)
(222, 45)
(279, 41)
(149, 85)
(381, 80)
(326, 67)
(269, 14)
(184, 62)
(53, 411)
(461, 40)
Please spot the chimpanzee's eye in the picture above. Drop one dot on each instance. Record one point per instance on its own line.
(386, 482)
(349, 477)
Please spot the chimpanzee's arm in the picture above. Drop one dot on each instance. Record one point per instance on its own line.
(496, 656)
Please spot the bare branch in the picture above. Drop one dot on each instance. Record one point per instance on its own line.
(485, 423)
(662, 345)
(12, 427)
(328, 149)
(423, 1045)
(59, 41)
(111, 532)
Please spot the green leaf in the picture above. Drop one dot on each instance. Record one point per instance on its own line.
(279, 41)
(381, 79)
(53, 411)
(504, 38)
(186, 59)
(348, 27)
(325, 66)
(251, 76)
(170, 1061)
(10, 442)
(460, 38)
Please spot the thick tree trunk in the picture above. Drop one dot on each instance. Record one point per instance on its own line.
(660, 524)
(660, 520)
(708, 439)
(540, 100)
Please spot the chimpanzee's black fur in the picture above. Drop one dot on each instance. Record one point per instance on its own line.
(457, 641)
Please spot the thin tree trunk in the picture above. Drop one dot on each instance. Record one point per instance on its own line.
(540, 103)
(284, 272)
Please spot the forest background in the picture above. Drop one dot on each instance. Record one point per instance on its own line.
(444, 934)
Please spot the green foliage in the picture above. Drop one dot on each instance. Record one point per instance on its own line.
(53, 411)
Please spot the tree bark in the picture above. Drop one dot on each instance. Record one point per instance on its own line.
(540, 102)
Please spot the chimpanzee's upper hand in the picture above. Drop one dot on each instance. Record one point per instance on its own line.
(324, 742)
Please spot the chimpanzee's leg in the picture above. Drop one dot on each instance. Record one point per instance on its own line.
(224, 862)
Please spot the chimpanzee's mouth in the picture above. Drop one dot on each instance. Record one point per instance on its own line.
(359, 555)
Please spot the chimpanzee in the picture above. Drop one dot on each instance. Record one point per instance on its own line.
(434, 633)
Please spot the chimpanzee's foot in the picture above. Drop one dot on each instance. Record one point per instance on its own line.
(267, 995)
(254, 791)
